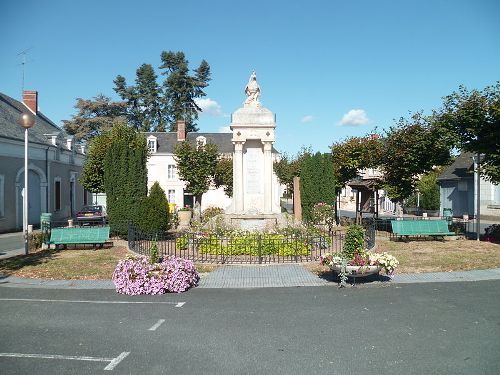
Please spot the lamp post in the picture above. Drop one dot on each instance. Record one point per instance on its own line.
(26, 121)
(477, 190)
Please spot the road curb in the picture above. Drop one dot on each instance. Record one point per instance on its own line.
(241, 277)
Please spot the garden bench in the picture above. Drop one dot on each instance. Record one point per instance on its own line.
(433, 228)
(82, 235)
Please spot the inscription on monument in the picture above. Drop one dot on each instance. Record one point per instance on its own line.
(253, 171)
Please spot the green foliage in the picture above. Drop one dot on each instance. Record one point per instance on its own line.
(95, 116)
(224, 175)
(93, 167)
(125, 177)
(154, 211)
(413, 147)
(286, 168)
(323, 213)
(153, 253)
(36, 239)
(354, 241)
(248, 244)
(152, 106)
(316, 171)
(196, 165)
(429, 191)
(474, 118)
(211, 212)
(354, 154)
(144, 101)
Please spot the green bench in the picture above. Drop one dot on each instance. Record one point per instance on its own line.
(83, 235)
(433, 228)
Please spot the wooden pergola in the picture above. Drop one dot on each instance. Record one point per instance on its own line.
(366, 196)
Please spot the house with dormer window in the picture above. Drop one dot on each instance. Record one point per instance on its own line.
(162, 166)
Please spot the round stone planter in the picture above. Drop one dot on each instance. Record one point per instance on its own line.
(184, 218)
(358, 271)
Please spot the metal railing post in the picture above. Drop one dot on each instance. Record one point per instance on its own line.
(260, 248)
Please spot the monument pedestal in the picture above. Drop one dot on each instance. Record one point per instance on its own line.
(255, 196)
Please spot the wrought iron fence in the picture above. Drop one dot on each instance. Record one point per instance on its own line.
(257, 248)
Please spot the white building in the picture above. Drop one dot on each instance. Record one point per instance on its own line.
(162, 166)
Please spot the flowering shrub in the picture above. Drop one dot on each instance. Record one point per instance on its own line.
(135, 275)
(211, 212)
(323, 213)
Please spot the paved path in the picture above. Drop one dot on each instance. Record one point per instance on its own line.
(274, 276)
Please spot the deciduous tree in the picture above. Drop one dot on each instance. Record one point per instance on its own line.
(94, 116)
(196, 164)
(474, 117)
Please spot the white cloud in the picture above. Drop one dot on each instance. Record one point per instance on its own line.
(355, 117)
(307, 119)
(210, 107)
(225, 129)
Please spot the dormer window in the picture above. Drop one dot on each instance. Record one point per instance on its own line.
(201, 141)
(152, 145)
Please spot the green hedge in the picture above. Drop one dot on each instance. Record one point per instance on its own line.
(271, 244)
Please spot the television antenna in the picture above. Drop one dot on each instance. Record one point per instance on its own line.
(23, 63)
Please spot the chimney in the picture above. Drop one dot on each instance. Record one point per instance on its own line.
(181, 130)
(30, 100)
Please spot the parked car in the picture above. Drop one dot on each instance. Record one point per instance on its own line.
(91, 214)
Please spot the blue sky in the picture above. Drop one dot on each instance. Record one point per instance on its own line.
(328, 69)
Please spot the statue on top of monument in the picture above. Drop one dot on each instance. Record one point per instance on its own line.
(252, 91)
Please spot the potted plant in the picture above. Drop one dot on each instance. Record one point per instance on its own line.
(355, 261)
(185, 214)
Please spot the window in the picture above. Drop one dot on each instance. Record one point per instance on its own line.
(2, 196)
(57, 194)
(171, 172)
(171, 196)
(462, 185)
(152, 144)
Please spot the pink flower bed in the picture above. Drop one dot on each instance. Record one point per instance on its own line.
(136, 275)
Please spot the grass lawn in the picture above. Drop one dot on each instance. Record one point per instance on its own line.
(414, 256)
(441, 256)
(418, 256)
(71, 264)
(65, 264)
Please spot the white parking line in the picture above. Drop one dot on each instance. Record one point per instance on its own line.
(113, 362)
(156, 325)
(177, 304)
(116, 360)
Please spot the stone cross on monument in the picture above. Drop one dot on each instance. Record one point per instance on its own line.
(254, 184)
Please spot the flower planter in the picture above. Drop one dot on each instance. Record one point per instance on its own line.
(184, 218)
(357, 271)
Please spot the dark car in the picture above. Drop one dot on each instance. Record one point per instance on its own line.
(91, 214)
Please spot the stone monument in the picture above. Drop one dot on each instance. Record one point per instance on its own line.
(255, 196)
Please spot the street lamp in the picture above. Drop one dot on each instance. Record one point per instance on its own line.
(26, 121)
(477, 176)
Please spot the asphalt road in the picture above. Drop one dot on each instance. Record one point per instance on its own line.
(449, 328)
(11, 244)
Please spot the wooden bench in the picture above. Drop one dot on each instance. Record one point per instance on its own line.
(82, 235)
(433, 228)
